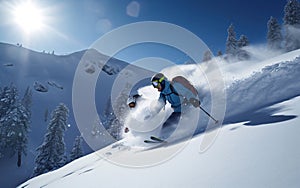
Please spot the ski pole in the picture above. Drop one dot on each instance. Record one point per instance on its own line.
(216, 121)
(196, 103)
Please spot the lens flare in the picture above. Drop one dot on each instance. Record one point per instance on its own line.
(28, 16)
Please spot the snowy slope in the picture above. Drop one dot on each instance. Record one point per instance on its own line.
(23, 68)
(264, 156)
(257, 146)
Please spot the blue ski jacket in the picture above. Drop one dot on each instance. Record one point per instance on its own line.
(176, 94)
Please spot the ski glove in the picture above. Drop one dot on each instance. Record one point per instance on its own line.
(126, 130)
(195, 102)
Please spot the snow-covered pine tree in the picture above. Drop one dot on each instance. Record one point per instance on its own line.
(25, 110)
(274, 36)
(14, 124)
(243, 41)
(292, 25)
(77, 150)
(17, 133)
(7, 99)
(207, 56)
(219, 53)
(51, 154)
(241, 53)
(292, 13)
(231, 42)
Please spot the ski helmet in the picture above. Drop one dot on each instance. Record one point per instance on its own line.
(157, 79)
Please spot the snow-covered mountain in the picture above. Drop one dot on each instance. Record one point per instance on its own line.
(257, 145)
(51, 78)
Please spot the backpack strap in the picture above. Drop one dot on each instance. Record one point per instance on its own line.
(173, 91)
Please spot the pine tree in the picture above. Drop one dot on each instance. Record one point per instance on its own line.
(77, 150)
(243, 41)
(207, 56)
(274, 36)
(51, 154)
(231, 42)
(241, 53)
(15, 121)
(17, 133)
(292, 13)
(292, 25)
(25, 109)
(7, 99)
(219, 54)
(2, 140)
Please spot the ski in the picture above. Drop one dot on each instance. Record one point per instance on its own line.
(157, 139)
(151, 142)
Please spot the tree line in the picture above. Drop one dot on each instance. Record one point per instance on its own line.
(14, 122)
(15, 115)
(284, 37)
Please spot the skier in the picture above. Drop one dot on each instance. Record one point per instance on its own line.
(178, 92)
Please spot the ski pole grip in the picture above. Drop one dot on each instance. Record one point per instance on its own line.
(195, 102)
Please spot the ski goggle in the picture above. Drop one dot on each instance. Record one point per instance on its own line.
(156, 83)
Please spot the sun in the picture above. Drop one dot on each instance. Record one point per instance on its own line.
(29, 17)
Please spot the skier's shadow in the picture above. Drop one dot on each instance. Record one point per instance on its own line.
(259, 117)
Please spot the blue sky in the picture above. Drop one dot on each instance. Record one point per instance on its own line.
(73, 25)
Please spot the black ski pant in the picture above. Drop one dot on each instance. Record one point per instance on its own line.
(172, 120)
